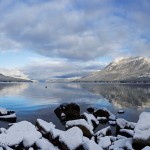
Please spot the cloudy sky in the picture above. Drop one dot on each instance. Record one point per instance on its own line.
(40, 39)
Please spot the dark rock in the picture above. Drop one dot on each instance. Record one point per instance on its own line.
(71, 111)
(101, 113)
(126, 133)
(91, 109)
(120, 111)
(10, 116)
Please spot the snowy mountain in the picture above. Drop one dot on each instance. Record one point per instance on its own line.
(53, 80)
(131, 69)
(4, 78)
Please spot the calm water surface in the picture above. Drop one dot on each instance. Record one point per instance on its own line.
(33, 100)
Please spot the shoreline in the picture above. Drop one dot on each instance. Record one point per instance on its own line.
(83, 125)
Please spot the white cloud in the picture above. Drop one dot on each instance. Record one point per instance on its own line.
(79, 30)
(13, 73)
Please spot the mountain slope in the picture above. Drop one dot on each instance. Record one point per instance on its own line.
(4, 78)
(123, 70)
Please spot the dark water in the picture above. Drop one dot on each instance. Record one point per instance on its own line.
(33, 100)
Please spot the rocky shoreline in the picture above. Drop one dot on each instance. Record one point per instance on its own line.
(80, 131)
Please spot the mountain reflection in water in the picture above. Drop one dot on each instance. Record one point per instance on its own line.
(33, 100)
(123, 95)
(35, 95)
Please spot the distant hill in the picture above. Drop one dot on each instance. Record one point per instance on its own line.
(123, 70)
(4, 78)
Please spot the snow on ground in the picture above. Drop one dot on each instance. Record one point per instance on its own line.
(142, 129)
(81, 122)
(45, 126)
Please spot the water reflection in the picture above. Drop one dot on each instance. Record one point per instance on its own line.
(31, 96)
(122, 95)
(12, 88)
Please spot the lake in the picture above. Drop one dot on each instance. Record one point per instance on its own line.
(33, 100)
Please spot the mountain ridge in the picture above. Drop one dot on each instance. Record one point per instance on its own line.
(4, 78)
(131, 69)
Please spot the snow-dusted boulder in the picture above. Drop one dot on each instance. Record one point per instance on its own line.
(90, 118)
(91, 109)
(124, 124)
(44, 144)
(103, 132)
(21, 132)
(105, 142)
(43, 126)
(126, 132)
(7, 115)
(122, 144)
(70, 110)
(90, 144)
(142, 130)
(86, 128)
(102, 119)
(146, 148)
(112, 123)
(103, 112)
(67, 140)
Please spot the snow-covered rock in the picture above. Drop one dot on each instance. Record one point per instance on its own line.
(146, 148)
(103, 112)
(90, 144)
(3, 111)
(71, 111)
(142, 130)
(86, 128)
(112, 123)
(104, 142)
(70, 139)
(44, 126)
(126, 132)
(102, 133)
(44, 144)
(121, 144)
(123, 124)
(22, 131)
(7, 115)
(90, 118)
